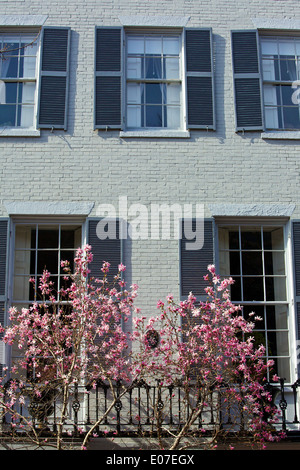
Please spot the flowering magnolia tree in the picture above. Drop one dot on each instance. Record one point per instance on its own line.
(78, 340)
(209, 350)
(206, 349)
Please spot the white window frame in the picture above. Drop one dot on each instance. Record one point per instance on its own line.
(33, 34)
(11, 355)
(270, 84)
(39, 221)
(289, 301)
(157, 131)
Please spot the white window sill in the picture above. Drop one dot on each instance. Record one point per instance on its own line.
(288, 135)
(159, 133)
(5, 132)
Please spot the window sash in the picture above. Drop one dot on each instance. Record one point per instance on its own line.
(273, 330)
(18, 70)
(163, 107)
(280, 57)
(27, 256)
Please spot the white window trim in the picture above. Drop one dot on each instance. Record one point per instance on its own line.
(274, 26)
(40, 220)
(285, 222)
(27, 20)
(163, 25)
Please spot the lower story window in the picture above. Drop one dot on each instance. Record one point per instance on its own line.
(38, 247)
(255, 258)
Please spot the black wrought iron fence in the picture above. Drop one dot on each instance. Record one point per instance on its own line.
(139, 408)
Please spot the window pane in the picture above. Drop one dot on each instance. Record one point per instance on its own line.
(153, 45)
(27, 91)
(135, 45)
(234, 263)
(253, 289)
(251, 239)
(134, 67)
(291, 117)
(25, 116)
(234, 243)
(171, 46)
(7, 115)
(47, 238)
(153, 68)
(134, 93)
(11, 92)
(288, 68)
(273, 238)
(270, 69)
(47, 259)
(9, 68)
(235, 290)
(153, 93)
(286, 48)
(172, 117)
(252, 263)
(276, 317)
(278, 343)
(269, 47)
(275, 289)
(134, 116)
(274, 263)
(11, 48)
(171, 68)
(259, 312)
(154, 116)
(27, 67)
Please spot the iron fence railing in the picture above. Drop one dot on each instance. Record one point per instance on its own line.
(135, 410)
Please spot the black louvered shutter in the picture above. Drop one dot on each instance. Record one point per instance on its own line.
(194, 263)
(296, 254)
(3, 255)
(108, 249)
(108, 78)
(3, 250)
(54, 79)
(247, 81)
(199, 79)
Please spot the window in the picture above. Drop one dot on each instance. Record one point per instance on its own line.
(154, 84)
(38, 247)
(255, 257)
(157, 82)
(280, 68)
(18, 72)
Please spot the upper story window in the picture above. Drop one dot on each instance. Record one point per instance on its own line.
(18, 76)
(266, 74)
(154, 82)
(159, 80)
(34, 78)
(281, 69)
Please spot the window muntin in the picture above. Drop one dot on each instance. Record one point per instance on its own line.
(39, 247)
(280, 69)
(255, 258)
(18, 70)
(153, 82)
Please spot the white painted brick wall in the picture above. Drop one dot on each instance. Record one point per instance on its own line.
(210, 167)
